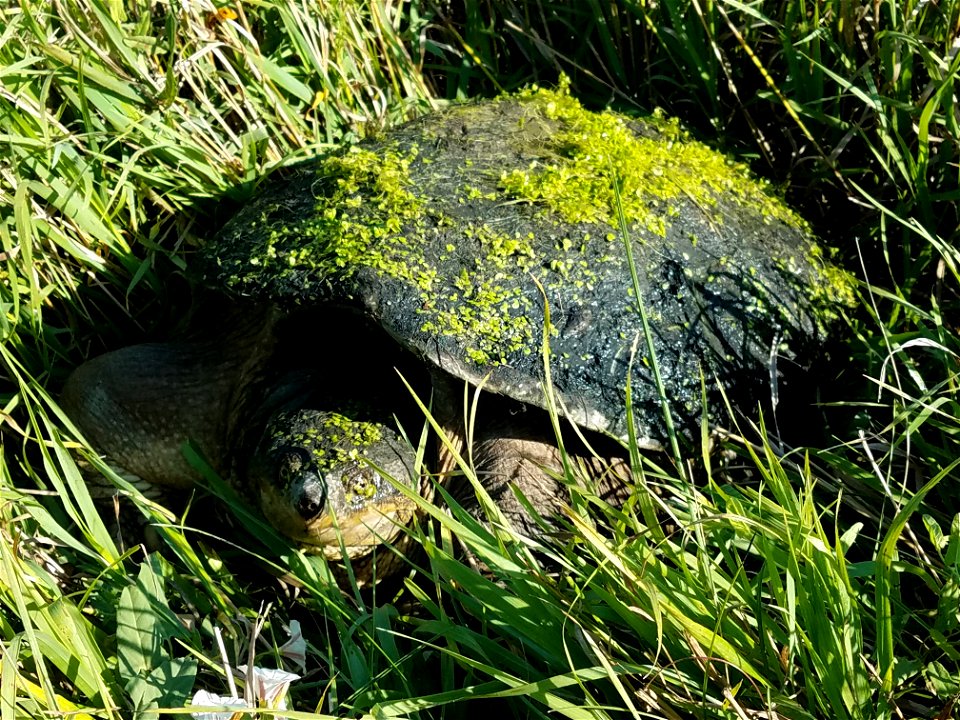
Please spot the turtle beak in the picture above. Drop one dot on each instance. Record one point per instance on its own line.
(306, 490)
(359, 530)
(297, 495)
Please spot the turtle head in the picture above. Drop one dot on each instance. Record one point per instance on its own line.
(321, 479)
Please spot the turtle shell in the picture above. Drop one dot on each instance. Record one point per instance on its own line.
(482, 233)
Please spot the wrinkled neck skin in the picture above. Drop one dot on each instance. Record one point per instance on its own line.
(220, 387)
(140, 404)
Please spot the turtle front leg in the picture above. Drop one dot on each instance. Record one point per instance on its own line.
(513, 449)
(140, 404)
(532, 467)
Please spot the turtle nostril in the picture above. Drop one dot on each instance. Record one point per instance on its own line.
(312, 497)
(309, 506)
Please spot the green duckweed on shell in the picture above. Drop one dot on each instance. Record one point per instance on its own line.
(452, 232)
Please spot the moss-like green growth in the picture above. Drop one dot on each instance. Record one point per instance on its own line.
(369, 213)
(596, 152)
(333, 441)
(483, 309)
(355, 223)
(368, 216)
(454, 233)
(837, 287)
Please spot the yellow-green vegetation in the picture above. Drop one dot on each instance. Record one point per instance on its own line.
(373, 219)
(406, 212)
(597, 151)
(836, 289)
(485, 307)
(358, 223)
(334, 441)
(597, 161)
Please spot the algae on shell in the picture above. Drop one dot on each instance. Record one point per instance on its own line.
(452, 232)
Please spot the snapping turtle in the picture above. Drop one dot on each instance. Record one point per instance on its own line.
(455, 248)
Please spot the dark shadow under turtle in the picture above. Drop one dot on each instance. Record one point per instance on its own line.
(434, 254)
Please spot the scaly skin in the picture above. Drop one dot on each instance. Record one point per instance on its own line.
(139, 405)
(470, 240)
(317, 474)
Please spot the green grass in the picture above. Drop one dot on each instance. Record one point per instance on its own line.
(806, 583)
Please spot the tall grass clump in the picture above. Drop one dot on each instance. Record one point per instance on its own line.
(742, 579)
(853, 107)
(121, 124)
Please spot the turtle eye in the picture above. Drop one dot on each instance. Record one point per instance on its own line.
(360, 484)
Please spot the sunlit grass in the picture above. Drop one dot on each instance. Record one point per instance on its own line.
(736, 581)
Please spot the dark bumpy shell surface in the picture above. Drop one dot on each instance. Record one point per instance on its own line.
(457, 231)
